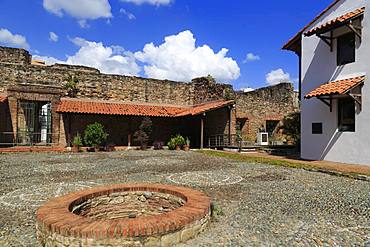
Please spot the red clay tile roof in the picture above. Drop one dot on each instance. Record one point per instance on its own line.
(210, 106)
(134, 109)
(297, 36)
(336, 87)
(3, 98)
(336, 22)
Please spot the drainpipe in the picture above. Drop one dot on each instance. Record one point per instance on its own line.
(300, 77)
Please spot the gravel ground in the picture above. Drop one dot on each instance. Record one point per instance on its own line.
(262, 205)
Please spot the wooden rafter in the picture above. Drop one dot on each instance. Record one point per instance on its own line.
(355, 29)
(327, 101)
(327, 40)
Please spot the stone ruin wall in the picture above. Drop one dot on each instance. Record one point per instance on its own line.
(16, 69)
(257, 106)
(14, 56)
(269, 103)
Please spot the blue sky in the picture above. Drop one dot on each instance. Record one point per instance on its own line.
(112, 34)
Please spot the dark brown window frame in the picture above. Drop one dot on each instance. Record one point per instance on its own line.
(346, 104)
(341, 44)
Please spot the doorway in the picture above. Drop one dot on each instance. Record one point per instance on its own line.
(34, 123)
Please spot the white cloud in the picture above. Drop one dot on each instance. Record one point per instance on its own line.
(277, 76)
(129, 15)
(152, 2)
(14, 40)
(246, 90)
(179, 59)
(108, 59)
(251, 58)
(53, 37)
(82, 10)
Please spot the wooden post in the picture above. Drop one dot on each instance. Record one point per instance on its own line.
(69, 122)
(202, 131)
(129, 132)
(230, 119)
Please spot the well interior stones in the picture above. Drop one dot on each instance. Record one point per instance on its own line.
(121, 205)
(123, 215)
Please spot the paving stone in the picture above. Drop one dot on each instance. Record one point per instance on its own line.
(270, 206)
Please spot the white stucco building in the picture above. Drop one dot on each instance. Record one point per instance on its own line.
(334, 59)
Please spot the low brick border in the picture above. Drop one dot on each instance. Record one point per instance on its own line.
(56, 222)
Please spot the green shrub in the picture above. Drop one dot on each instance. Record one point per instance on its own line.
(95, 135)
(292, 127)
(187, 141)
(216, 211)
(77, 141)
(71, 85)
(178, 140)
(171, 144)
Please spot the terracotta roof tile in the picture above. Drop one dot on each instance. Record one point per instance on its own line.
(3, 98)
(336, 87)
(199, 109)
(337, 21)
(134, 109)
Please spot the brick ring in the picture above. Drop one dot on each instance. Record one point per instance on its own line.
(58, 225)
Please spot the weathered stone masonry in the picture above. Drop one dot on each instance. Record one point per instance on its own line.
(265, 104)
(19, 79)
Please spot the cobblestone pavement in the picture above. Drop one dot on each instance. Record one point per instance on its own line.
(262, 205)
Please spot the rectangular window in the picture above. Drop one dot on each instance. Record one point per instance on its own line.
(317, 128)
(346, 115)
(346, 49)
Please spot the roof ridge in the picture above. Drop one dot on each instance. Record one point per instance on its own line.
(102, 101)
(297, 35)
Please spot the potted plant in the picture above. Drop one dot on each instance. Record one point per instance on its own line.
(110, 147)
(171, 144)
(94, 136)
(187, 144)
(77, 143)
(158, 145)
(176, 143)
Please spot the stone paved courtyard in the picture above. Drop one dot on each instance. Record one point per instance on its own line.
(262, 205)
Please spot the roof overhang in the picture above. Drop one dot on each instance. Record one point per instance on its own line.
(343, 20)
(105, 107)
(336, 89)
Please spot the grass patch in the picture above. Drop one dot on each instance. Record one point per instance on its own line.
(249, 159)
(282, 163)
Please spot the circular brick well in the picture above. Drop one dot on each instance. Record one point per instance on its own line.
(123, 215)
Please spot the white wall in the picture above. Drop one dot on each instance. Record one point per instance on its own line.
(319, 66)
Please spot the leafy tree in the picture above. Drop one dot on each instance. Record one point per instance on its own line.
(291, 127)
(71, 85)
(95, 135)
(143, 134)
